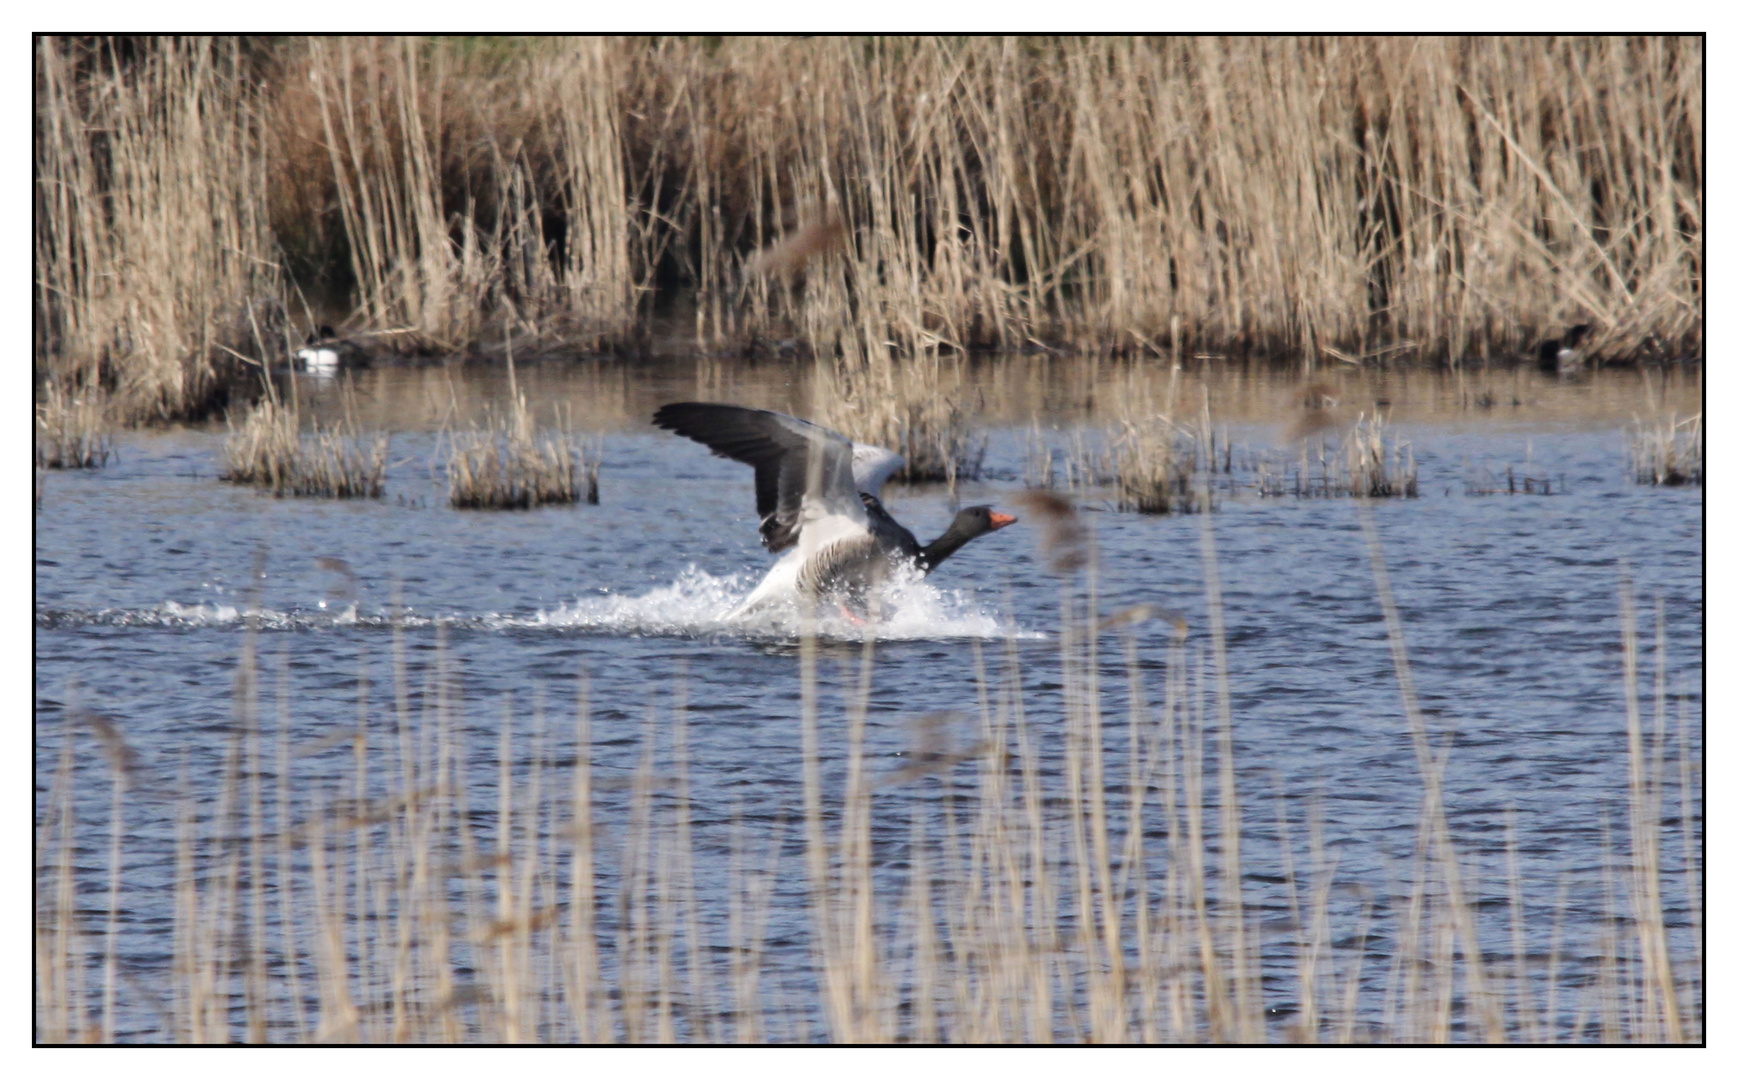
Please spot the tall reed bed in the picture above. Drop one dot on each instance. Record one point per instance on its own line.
(1355, 198)
(1319, 198)
(1087, 888)
(156, 267)
(476, 184)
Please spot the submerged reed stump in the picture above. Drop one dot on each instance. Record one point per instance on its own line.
(267, 451)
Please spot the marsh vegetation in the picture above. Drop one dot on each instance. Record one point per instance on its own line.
(1666, 450)
(1087, 889)
(267, 450)
(1211, 277)
(1319, 200)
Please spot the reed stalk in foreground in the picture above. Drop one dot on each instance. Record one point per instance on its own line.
(1087, 888)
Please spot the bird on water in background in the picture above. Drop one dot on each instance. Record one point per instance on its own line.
(819, 500)
(325, 353)
(1560, 355)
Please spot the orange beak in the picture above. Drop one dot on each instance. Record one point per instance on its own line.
(1001, 521)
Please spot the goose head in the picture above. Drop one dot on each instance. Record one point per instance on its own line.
(969, 524)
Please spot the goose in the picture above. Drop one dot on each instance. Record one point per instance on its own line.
(1560, 355)
(324, 354)
(819, 500)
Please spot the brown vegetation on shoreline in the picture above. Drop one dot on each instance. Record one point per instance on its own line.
(1322, 199)
(156, 270)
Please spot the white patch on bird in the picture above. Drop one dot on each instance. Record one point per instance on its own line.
(318, 361)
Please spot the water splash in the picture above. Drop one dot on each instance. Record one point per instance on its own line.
(696, 604)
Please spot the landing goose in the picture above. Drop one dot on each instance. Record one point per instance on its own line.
(818, 497)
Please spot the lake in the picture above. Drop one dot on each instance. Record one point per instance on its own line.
(400, 609)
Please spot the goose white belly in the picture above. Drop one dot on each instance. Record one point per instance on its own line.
(779, 584)
(821, 530)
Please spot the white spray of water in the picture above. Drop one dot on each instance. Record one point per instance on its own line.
(908, 608)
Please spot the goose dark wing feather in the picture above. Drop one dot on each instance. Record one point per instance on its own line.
(779, 449)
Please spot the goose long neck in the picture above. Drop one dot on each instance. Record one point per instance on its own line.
(931, 554)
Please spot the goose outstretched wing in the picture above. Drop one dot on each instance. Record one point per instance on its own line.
(802, 471)
(872, 465)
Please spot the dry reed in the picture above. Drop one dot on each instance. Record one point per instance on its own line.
(475, 186)
(1153, 467)
(1150, 466)
(72, 428)
(916, 407)
(154, 259)
(268, 451)
(1054, 902)
(1367, 462)
(509, 465)
(1150, 459)
(1666, 451)
(1359, 199)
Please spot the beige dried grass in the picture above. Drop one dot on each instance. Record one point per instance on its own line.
(509, 465)
(72, 428)
(156, 268)
(338, 462)
(1056, 904)
(447, 163)
(1367, 461)
(1665, 450)
(1360, 199)
(917, 406)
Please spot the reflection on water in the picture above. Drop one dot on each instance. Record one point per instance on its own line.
(620, 395)
(1510, 604)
